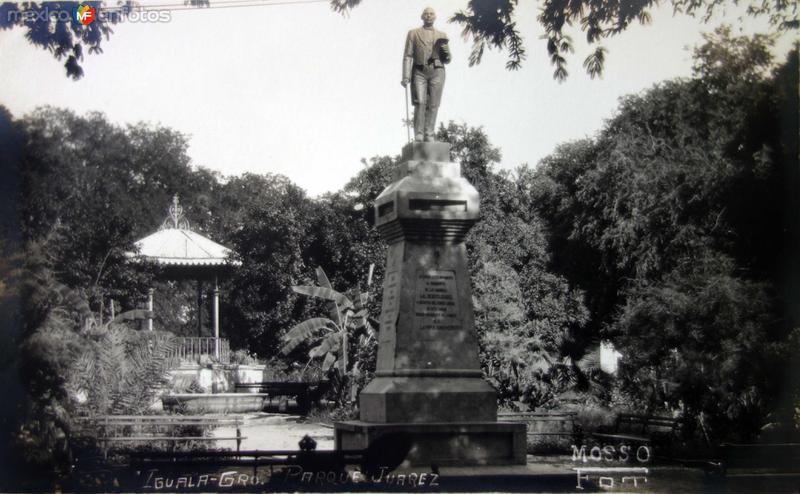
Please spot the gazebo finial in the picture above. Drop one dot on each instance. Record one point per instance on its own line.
(175, 218)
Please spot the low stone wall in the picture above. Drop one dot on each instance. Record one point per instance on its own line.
(214, 378)
(197, 403)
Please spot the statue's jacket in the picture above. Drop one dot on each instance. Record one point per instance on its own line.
(421, 49)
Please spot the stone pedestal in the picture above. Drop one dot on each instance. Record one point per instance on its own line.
(428, 382)
(444, 444)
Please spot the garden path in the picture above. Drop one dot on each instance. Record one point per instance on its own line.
(272, 431)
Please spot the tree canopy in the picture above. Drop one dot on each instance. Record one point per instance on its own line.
(674, 222)
(493, 24)
(489, 24)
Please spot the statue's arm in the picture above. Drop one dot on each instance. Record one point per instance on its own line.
(408, 58)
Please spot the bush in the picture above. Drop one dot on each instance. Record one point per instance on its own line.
(244, 357)
(330, 414)
(594, 418)
(543, 445)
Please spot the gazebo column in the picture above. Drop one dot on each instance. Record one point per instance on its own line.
(216, 317)
(199, 309)
(149, 309)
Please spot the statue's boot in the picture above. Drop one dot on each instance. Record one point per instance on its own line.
(419, 122)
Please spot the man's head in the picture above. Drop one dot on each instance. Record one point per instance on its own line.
(428, 17)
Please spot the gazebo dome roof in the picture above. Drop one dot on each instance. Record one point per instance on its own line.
(175, 245)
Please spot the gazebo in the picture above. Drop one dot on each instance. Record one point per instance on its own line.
(185, 254)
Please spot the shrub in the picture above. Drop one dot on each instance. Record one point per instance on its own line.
(243, 357)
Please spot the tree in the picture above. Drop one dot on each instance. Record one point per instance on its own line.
(51, 25)
(345, 244)
(267, 219)
(493, 24)
(714, 356)
(676, 210)
(103, 186)
(515, 358)
(54, 26)
(526, 315)
(667, 174)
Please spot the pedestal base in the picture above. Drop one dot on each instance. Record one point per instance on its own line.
(393, 399)
(443, 444)
(426, 151)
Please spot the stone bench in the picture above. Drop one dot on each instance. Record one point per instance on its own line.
(639, 429)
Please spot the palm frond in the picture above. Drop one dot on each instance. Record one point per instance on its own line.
(360, 318)
(361, 299)
(324, 293)
(304, 331)
(330, 359)
(322, 279)
(329, 344)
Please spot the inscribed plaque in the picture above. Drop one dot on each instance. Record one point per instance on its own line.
(436, 301)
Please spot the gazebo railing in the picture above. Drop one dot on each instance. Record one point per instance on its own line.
(193, 348)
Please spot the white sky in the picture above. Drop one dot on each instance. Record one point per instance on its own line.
(302, 91)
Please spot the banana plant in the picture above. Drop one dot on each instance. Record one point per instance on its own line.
(329, 335)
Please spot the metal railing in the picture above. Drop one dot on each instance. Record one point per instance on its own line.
(193, 348)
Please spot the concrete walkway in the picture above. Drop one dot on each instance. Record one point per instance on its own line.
(274, 431)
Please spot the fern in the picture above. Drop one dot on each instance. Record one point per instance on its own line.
(110, 360)
(149, 363)
(121, 370)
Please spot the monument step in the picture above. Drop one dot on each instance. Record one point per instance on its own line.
(443, 443)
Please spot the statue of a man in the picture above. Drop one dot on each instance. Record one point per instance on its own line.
(423, 66)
